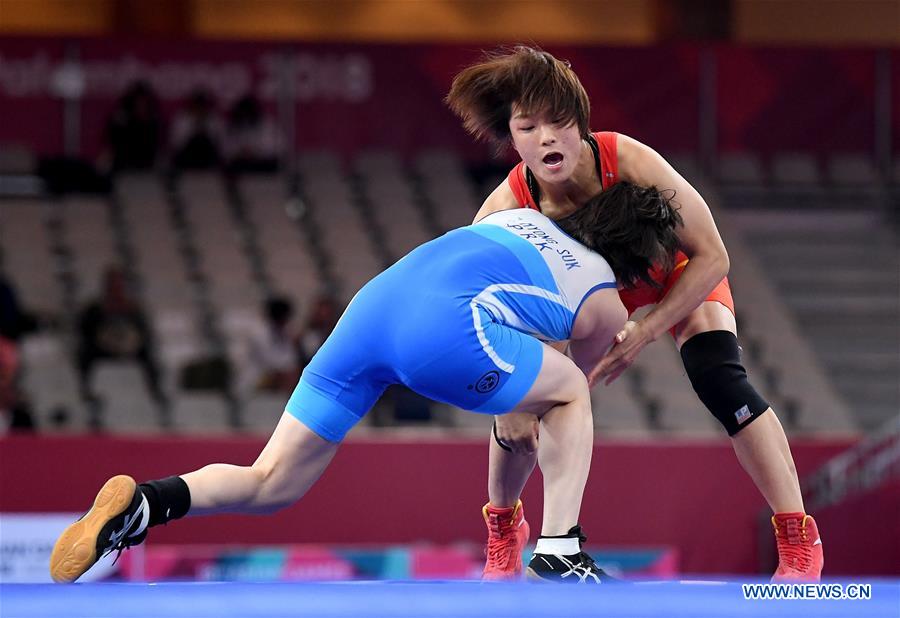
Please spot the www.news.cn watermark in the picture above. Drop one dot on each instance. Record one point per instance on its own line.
(853, 592)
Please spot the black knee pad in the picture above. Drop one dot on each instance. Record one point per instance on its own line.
(713, 364)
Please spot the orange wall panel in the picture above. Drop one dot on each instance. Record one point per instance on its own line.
(56, 16)
(629, 22)
(623, 21)
(829, 22)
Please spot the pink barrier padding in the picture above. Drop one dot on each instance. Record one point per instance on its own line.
(339, 563)
(692, 496)
(861, 535)
(445, 563)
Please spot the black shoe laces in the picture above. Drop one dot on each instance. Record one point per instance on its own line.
(584, 557)
(126, 541)
(588, 562)
(119, 549)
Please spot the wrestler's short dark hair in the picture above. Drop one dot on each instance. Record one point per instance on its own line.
(483, 94)
(634, 228)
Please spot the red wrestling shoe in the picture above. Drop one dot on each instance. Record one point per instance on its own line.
(800, 555)
(507, 535)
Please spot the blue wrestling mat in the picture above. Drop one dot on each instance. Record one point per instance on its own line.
(434, 599)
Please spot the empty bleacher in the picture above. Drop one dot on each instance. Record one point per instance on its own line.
(288, 263)
(825, 232)
(159, 264)
(160, 268)
(50, 383)
(32, 262)
(673, 406)
(128, 407)
(29, 253)
(838, 273)
(812, 287)
(391, 202)
(333, 209)
(88, 236)
(450, 195)
(618, 411)
(219, 242)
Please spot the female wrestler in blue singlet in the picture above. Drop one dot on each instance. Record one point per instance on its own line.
(463, 319)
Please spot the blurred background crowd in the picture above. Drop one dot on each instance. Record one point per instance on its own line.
(131, 193)
(192, 190)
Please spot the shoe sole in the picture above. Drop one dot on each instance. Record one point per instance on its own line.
(532, 576)
(76, 549)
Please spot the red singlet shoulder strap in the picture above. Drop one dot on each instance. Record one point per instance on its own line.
(519, 187)
(609, 157)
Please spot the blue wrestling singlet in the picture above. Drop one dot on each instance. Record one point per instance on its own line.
(457, 320)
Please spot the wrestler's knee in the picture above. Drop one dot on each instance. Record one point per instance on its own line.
(712, 361)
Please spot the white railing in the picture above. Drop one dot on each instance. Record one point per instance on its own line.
(872, 462)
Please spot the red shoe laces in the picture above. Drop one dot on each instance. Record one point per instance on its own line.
(794, 550)
(502, 541)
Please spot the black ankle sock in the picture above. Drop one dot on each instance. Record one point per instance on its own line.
(168, 498)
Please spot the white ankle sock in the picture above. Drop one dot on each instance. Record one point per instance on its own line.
(567, 546)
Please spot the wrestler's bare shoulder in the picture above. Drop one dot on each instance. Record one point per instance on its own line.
(501, 198)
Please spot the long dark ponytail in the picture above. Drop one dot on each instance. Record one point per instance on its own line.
(633, 227)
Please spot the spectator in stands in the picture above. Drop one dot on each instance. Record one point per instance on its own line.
(252, 141)
(197, 134)
(273, 359)
(14, 320)
(15, 323)
(322, 319)
(114, 327)
(134, 129)
(15, 414)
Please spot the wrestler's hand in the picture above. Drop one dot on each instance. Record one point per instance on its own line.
(518, 431)
(627, 345)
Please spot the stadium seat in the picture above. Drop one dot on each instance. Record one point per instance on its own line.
(28, 258)
(200, 413)
(127, 405)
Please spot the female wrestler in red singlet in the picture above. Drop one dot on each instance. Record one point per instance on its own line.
(527, 99)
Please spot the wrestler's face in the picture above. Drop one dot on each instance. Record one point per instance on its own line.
(549, 147)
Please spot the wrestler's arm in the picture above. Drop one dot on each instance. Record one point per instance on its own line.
(700, 241)
(600, 317)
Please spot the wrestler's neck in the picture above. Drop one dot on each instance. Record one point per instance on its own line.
(560, 199)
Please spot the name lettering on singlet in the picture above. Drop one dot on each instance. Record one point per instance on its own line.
(544, 242)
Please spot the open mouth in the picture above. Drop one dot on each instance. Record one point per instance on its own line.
(553, 159)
